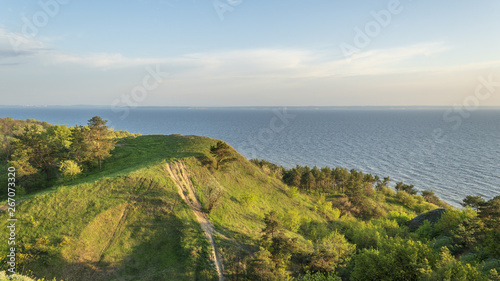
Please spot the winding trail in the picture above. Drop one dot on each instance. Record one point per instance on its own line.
(178, 173)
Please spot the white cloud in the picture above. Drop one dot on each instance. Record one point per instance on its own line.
(297, 63)
(16, 48)
(17, 45)
(246, 76)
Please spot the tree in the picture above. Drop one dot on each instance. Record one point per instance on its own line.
(307, 180)
(37, 149)
(341, 176)
(21, 160)
(474, 202)
(354, 189)
(395, 259)
(279, 246)
(386, 181)
(61, 136)
(490, 210)
(292, 177)
(98, 140)
(448, 268)
(410, 189)
(261, 267)
(430, 197)
(331, 252)
(273, 226)
(78, 145)
(222, 154)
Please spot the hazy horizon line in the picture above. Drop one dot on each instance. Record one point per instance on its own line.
(256, 106)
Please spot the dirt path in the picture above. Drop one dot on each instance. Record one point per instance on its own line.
(178, 173)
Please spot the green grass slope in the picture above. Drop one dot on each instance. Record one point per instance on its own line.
(128, 222)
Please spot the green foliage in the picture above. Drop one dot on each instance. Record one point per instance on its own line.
(406, 199)
(452, 218)
(425, 231)
(327, 209)
(395, 259)
(314, 230)
(292, 220)
(494, 276)
(269, 168)
(293, 192)
(273, 226)
(261, 267)
(296, 232)
(249, 199)
(364, 235)
(448, 268)
(61, 135)
(331, 252)
(214, 196)
(98, 141)
(491, 242)
(70, 169)
(37, 150)
(490, 213)
(319, 276)
(431, 197)
(277, 243)
(410, 189)
(401, 217)
(222, 153)
(473, 202)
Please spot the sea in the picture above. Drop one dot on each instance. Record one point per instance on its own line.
(452, 151)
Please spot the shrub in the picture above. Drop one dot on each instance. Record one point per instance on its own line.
(395, 259)
(249, 199)
(70, 169)
(406, 199)
(293, 192)
(319, 276)
(401, 217)
(425, 231)
(292, 220)
(314, 230)
(448, 268)
(452, 218)
(331, 252)
(214, 196)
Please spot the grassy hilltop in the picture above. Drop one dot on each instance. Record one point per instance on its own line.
(130, 221)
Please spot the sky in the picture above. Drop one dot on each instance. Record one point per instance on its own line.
(250, 53)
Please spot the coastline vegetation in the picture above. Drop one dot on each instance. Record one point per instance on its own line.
(128, 221)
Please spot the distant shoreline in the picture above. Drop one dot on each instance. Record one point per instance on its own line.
(368, 107)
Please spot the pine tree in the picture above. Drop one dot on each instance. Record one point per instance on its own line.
(222, 154)
(98, 140)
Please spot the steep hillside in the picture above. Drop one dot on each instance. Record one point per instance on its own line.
(148, 216)
(129, 221)
(126, 223)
